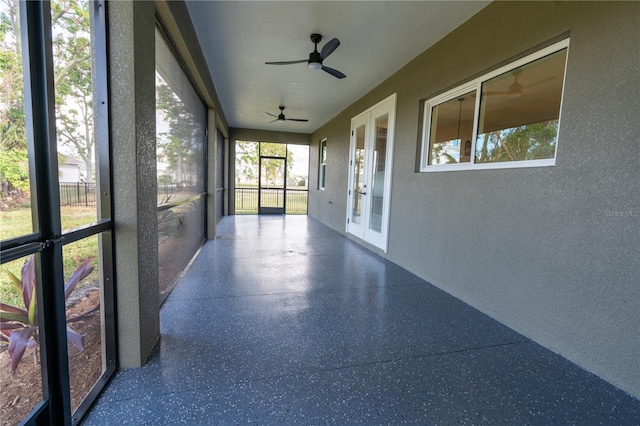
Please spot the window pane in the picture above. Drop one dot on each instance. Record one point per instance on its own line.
(519, 112)
(22, 391)
(180, 130)
(84, 317)
(451, 130)
(322, 164)
(379, 170)
(15, 197)
(72, 52)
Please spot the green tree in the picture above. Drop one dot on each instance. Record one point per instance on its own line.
(72, 79)
(247, 157)
(248, 160)
(14, 167)
(527, 142)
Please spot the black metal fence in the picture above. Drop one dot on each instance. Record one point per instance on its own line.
(297, 201)
(170, 193)
(78, 194)
(247, 200)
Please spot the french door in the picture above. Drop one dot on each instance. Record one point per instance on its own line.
(370, 159)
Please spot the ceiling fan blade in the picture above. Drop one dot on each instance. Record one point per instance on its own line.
(273, 121)
(287, 62)
(329, 48)
(495, 92)
(297, 119)
(333, 72)
(273, 115)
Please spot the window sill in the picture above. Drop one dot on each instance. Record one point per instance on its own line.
(488, 166)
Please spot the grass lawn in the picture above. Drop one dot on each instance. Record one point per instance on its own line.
(246, 200)
(17, 222)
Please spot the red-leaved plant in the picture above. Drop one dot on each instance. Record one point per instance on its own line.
(19, 327)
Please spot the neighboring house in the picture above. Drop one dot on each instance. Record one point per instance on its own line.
(69, 169)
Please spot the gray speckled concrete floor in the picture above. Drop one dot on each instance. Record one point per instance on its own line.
(281, 320)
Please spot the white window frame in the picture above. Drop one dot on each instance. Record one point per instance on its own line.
(322, 167)
(476, 85)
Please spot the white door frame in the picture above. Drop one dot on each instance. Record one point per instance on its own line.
(362, 230)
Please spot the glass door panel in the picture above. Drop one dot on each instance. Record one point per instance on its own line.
(272, 185)
(378, 178)
(358, 176)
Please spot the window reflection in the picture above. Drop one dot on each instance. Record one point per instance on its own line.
(180, 130)
(180, 153)
(519, 112)
(451, 130)
(508, 115)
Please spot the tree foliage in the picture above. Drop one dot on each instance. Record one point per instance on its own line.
(527, 142)
(14, 167)
(72, 79)
(73, 90)
(248, 161)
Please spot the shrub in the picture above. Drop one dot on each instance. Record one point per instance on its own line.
(19, 326)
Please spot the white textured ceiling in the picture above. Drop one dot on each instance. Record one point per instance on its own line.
(377, 38)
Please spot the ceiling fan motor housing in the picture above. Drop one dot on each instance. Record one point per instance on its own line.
(315, 60)
(316, 38)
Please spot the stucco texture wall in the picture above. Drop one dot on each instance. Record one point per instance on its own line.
(552, 252)
(132, 109)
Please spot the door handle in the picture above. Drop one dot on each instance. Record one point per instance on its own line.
(362, 193)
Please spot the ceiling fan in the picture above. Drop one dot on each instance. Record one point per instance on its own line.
(281, 118)
(316, 58)
(515, 88)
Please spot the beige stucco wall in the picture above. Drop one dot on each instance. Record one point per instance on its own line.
(551, 252)
(132, 106)
(133, 132)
